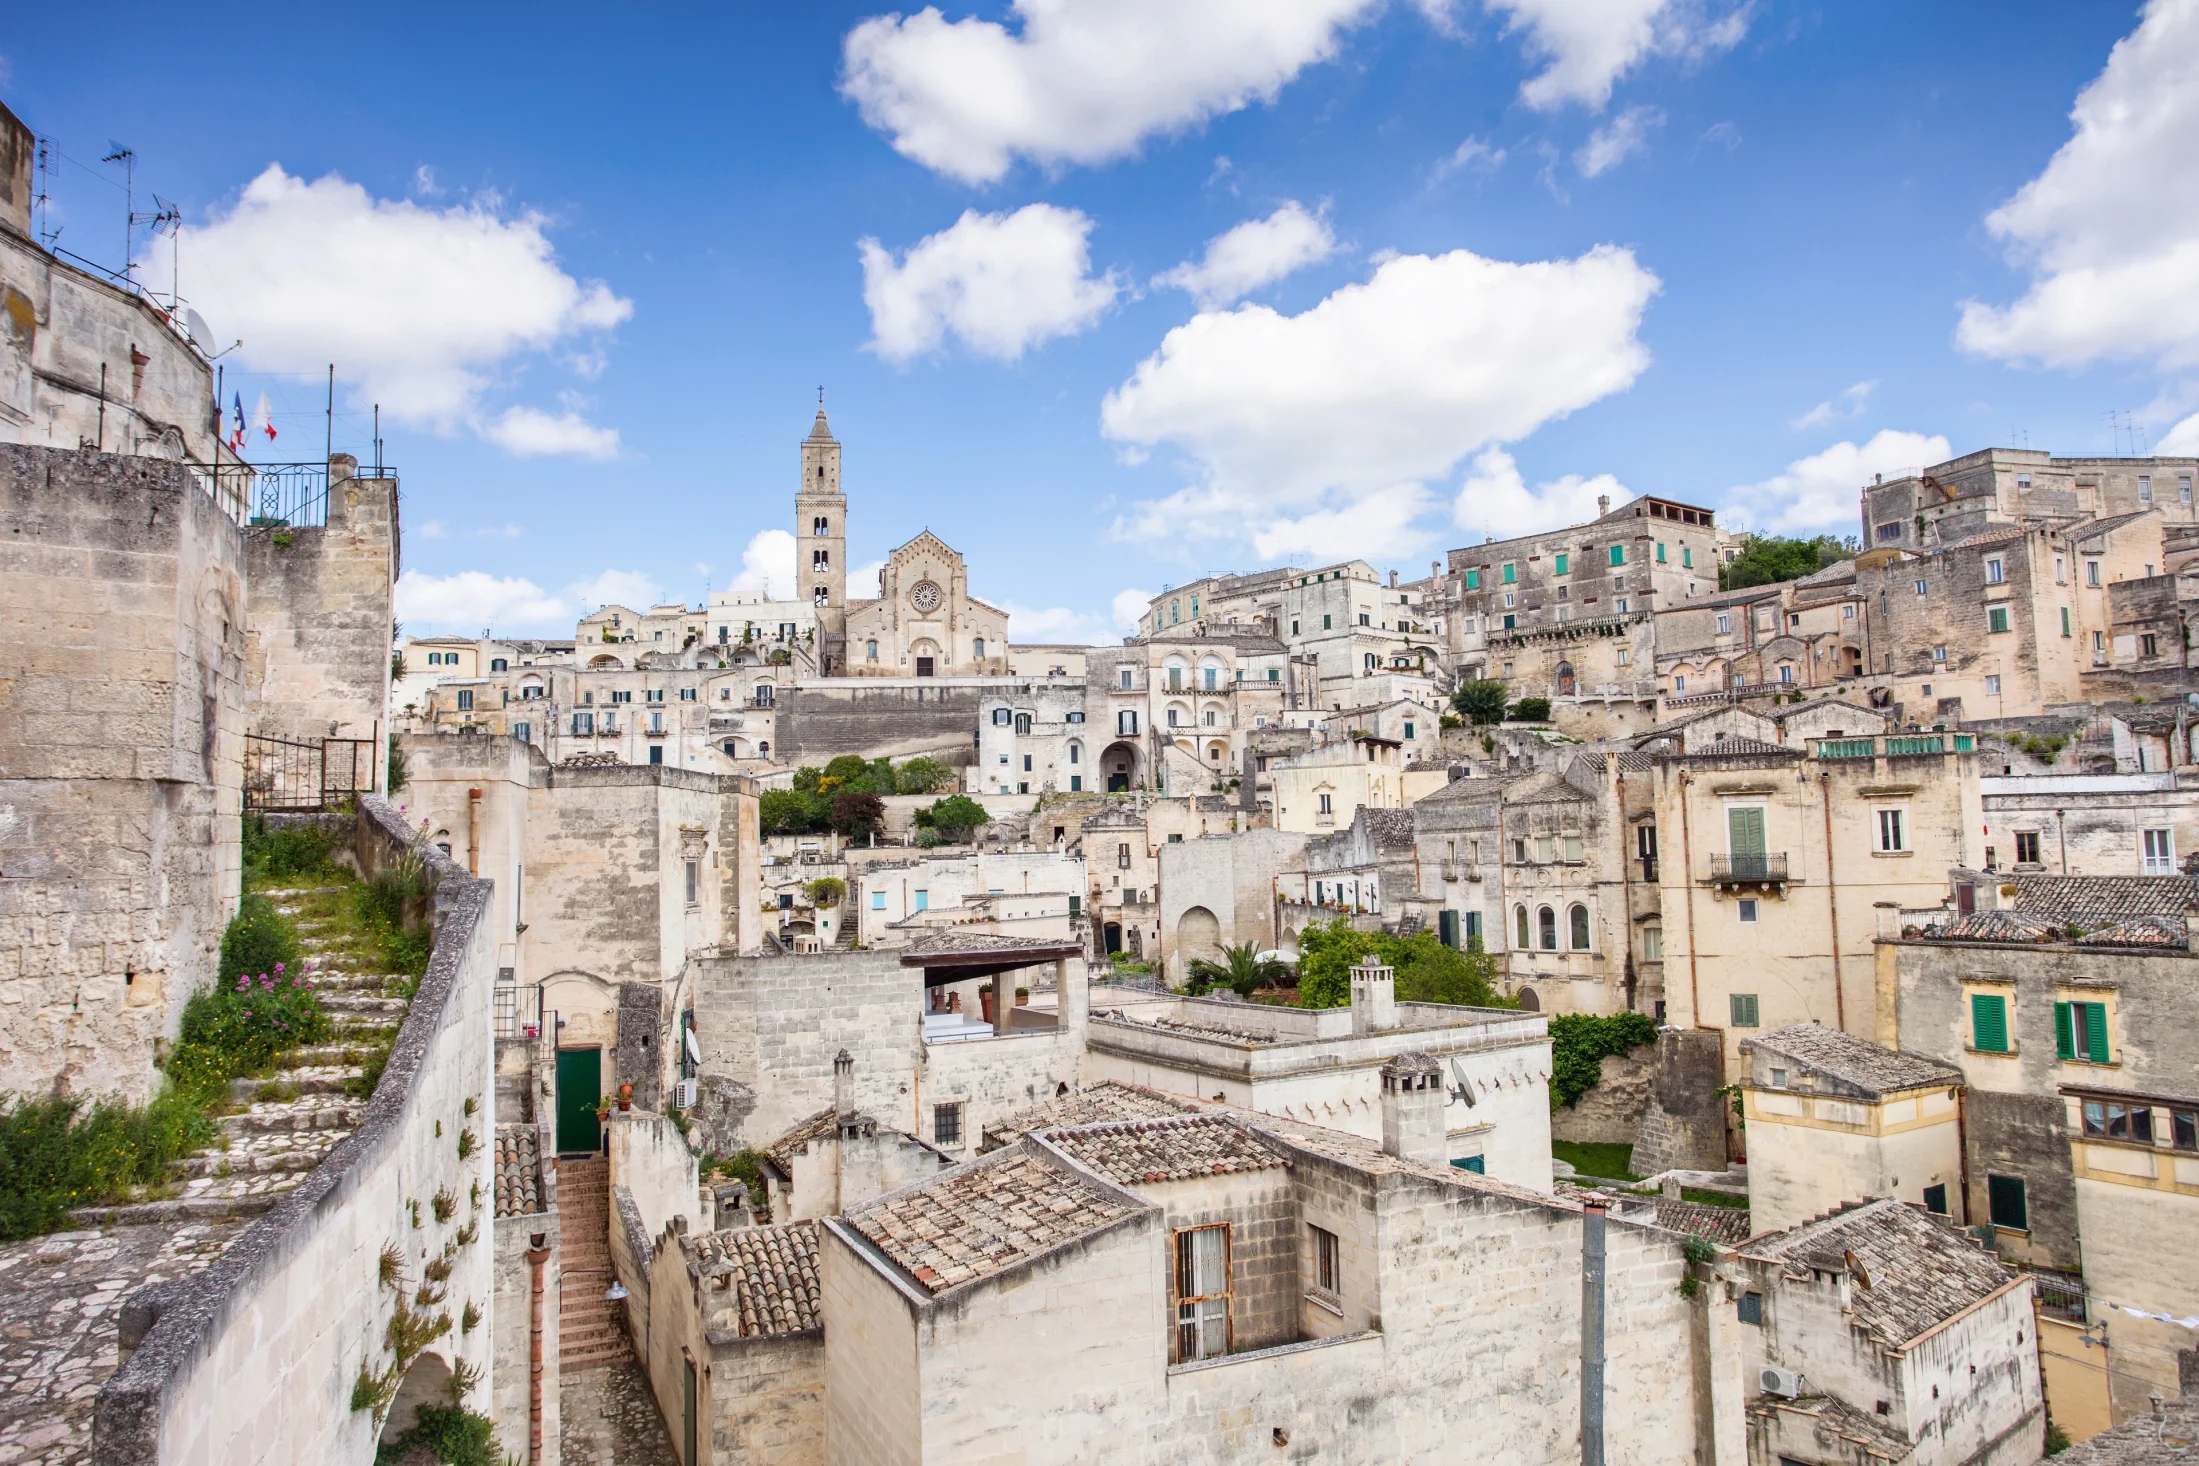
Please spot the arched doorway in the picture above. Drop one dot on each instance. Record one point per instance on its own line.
(1198, 935)
(1119, 764)
(925, 653)
(1528, 1002)
(428, 1382)
(1111, 936)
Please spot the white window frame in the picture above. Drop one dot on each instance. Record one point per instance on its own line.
(1891, 823)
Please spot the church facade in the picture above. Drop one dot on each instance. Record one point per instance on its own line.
(923, 623)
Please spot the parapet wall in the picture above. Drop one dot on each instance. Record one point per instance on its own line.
(254, 1359)
(817, 724)
(122, 660)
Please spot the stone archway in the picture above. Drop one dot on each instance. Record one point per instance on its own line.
(1529, 1002)
(1118, 765)
(428, 1382)
(1198, 934)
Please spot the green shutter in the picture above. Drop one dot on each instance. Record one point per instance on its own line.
(1618, 554)
(2065, 1033)
(1989, 1023)
(2095, 1031)
(1473, 580)
(2065, 621)
(1562, 563)
(1745, 837)
(1743, 1010)
(1510, 572)
(2006, 1203)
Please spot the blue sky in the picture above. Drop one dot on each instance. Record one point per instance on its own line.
(1513, 253)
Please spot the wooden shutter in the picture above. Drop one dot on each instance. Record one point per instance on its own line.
(2095, 1031)
(1745, 837)
(2065, 1032)
(1989, 1023)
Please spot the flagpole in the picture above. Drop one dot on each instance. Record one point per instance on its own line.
(331, 453)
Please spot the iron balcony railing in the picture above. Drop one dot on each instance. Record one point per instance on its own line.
(1739, 869)
(1903, 745)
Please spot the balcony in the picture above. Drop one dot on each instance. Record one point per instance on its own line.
(1749, 870)
(1904, 745)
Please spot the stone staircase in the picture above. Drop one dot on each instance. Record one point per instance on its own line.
(286, 1124)
(590, 1328)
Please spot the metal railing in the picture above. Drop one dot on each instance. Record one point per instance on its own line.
(1736, 868)
(284, 776)
(1847, 747)
(518, 1011)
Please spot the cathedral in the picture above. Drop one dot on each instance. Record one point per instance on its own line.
(924, 622)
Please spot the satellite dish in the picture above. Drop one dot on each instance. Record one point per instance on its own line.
(1462, 1088)
(195, 327)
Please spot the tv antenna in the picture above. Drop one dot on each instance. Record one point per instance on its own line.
(167, 219)
(117, 153)
(42, 200)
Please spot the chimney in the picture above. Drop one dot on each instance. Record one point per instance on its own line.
(1413, 1097)
(1373, 998)
(1592, 1323)
(1393, 580)
(1603, 505)
(843, 1084)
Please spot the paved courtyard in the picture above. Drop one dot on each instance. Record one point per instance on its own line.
(611, 1419)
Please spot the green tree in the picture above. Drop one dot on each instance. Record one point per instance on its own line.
(1327, 951)
(843, 772)
(1530, 710)
(792, 812)
(1427, 971)
(1480, 702)
(922, 776)
(953, 817)
(825, 891)
(1770, 559)
(857, 814)
(1241, 970)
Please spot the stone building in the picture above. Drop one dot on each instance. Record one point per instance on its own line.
(1218, 890)
(1879, 1333)
(2104, 824)
(2068, 1008)
(1950, 500)
(1175, 714)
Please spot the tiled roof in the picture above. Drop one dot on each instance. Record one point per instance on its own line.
(772, 1273)
(1737, 747)
(2142, 1440)
(1129, 1152)
(1878, 1437)
(783, 1150)
(1998, 926)
(2105, 898)
(980, 1219)
(940, 943)
(1852, 1061)
(2079, 533)
(1106, 1100)
(1988, 534)
(1916, 1270)
(1392, 829)
(518, 1171)
(1727, 1224)
(1845, 706)
(2141, 931)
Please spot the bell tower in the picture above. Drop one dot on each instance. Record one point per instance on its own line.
(821, 543)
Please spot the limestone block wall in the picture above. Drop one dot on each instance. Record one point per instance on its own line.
(633, 1259)
(122, 642)
(1684, 1124)
(510, 1321)
(320, 616)
(295, 1306)
(652, 1160)
(767, 1400)
(1611, 1112)
(874, 1403)
(818, 722)
(1261, 1210)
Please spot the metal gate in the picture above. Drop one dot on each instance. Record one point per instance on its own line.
(286, 776)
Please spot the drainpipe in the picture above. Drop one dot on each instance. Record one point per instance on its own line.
(1626, 882)
(1592, 1261)
(1687, 871)
(538, 1253)
(473, 832)
(1832, 904)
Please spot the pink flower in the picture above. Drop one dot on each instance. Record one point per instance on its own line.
(278, 969)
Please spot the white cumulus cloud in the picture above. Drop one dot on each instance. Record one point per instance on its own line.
(1059, 625)
(418, 307)
(632, 588)
(526, 432)
(2181, 440)
(1001, 283)
(1494, 500)
(2110, 229)
(1128, 606)
(1617, 140)
(1076, 81)
(471, 599)
(1823, 492)
(767, 567)
(1384, 384)
(1257, 252)
(1587, 45)
(1853, 401)
(1375, 524)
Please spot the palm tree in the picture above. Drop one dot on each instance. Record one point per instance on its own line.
(1241, 970)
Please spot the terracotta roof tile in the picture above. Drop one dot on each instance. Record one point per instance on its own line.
(758, 1281)
(1727, 1224)
(1106, 1100)
(519, 1189)
(976, 1221)
(1130, 1152)
(1855, 1062)
(2105, 898)
(2171, 1440)
(1920, 1270)
(783, 1150)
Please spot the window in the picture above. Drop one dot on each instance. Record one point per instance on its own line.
(1325, 622)
(947, 1126)
(1660, 552)
(1741, 1008)
(923, 900)
(1408, 731)
(1679, 685)
(1546, 928)
(1996, 619)
(1992, 684)
(622, 697)
(2149, 645)
(870, 653)
(2091, 572)
(1328, 806)
(878, 900)
(2099, 641)
(1653, 943)
(1989, 1023)
(2104, 1121)
(2184, 1124)
(1511, 572)
(584, 724)
(1645, 850)
(1365, 619)
(1577, 922)
(1687, 558)
(1546, 848)
(687, 694)
(1892, 835)
(1571, 846)
(1939, 653)
(2080, 1032)
(820, 527)
(1725, 624)
(656, 754)
(1618, 554)
(1745, 839)
(2160, 852)
(2005, 1203)
(2027, 847)
(1328, 1263)
(1995, 570)
(694, 881)
(655, 694)
(1473, 580)
(499, 664)
(1562, 563)
(1026, 763)
(1745, 909)
(2183, 488)
(1889, 532)
(465, 699)
(1202, 1293)
(2145, 488)
(1126, 721)
(2065, 621)
(1786, 672)
(1519, 927)
(1935, 1200)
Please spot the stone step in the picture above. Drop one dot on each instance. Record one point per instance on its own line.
(311, 1112)
(362, 1005)
(318, 1055)
(353, 1025)
(573, 1358)
(218, 1163)
(306, 1079)
(174, 1210)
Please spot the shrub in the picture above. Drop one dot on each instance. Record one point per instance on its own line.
(1241, 970)
(826, 891)
(857, 814)
(1481, 701)
(1427, 971)
(288, 852)
(259, 939)
(923, 776)
(1530, 710)
(954, 817)
(62, 1151)
(1580, 1042)
(450, 1433)
(237, 1027)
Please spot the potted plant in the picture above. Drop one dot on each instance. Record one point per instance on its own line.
(603, 1110)
(1023, 997)
(625, 1097)
(985, 1002)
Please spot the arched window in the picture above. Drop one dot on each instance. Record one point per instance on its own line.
(819, 526)
(1565, 679)
(1023, 723)
(1519, 925)
(1546, 928)
(977, 649)
(1577, 919)
(763, 750)
(1074, 755)
(870, 651)
(1370, 661)
(500, 664)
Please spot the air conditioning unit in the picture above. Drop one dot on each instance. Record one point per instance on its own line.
(1782, 1382)
(684, 1095)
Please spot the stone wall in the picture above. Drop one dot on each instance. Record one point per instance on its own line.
(320, 616)
(122, 660)
(1683, 1126)
(1611, 1112)
(510, 1322)
(295, 1306)
(817, 723)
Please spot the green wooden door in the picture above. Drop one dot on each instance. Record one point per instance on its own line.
(1745, 839)
(579, 1090)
